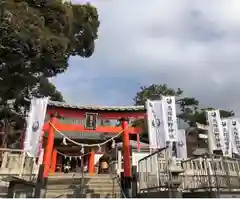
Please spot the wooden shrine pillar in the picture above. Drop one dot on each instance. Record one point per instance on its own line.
(126, 149)
(126, 178)
(91, 166)
(53, 161)
(49, 148)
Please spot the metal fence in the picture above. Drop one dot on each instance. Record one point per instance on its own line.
(152, 171)
(212, 173)
(203, 173)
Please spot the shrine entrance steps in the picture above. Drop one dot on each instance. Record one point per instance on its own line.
(72, 185)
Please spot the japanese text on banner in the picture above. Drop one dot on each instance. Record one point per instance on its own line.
(227, 138)
(234, 128)
(169, 118)
(155, 132)
(215, 131)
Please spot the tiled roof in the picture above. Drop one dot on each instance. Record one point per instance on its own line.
(95, 108)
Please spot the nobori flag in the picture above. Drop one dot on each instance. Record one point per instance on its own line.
(227, 149)
(35, 122)
(215, 131)
(234, 128)
(155, 131)
(169, 118)
(181, 144)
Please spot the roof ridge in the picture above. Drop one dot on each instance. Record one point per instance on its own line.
(96, 107)
(51, 101)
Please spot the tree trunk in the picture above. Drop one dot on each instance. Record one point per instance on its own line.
(5, 134)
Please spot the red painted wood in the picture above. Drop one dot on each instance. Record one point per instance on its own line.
(53, 161)
(80, 128)
(80, 114)
(74, 113)
(126, 150)
(48, 149)
(91, 167)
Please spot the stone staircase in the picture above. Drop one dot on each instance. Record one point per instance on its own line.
(69, 186)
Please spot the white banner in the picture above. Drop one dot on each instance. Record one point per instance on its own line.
(181, 144)
(35, 124)
(215, 131)
(154, 115)
(227, 138)
(234, 128)
(169, 118)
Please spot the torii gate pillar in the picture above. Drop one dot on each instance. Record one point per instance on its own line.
(126, 149)
(127, 178)
(47, 158)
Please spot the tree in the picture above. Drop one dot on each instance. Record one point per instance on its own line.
(189, 107)
(37, 37)
(46, 88)
(37, 45)
(12, 120)
(154, 92)
(199, 115)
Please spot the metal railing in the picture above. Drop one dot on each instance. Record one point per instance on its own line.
(82, 173)
(153, 171)
(113, 166)
(211, 172)
(207, 172)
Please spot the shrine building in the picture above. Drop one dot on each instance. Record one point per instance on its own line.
(88, 125)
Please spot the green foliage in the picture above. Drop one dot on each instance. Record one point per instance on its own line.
(154, 92)
(37, 38)
(46, 88)
(189, 107)
(199, 116)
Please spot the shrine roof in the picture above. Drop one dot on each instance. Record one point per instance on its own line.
(95, 107)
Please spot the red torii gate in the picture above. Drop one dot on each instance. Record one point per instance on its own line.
(122, 113)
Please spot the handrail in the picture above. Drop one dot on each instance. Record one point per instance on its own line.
(119, 184)
(155, 152)
(116, 177)
(11, 150)
(208, 155)
(82, 173)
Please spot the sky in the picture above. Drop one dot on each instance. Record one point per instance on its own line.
(194, 45)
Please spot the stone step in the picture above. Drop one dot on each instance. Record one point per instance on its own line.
(100, 188)
(92, 185)
(96, 186)
(84, 195)
(74, 191)
(79, 175)
(85, 190)
(77, 178)
(85, 187)
(81, 181)
(68, 186)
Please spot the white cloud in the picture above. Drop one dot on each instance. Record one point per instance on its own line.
(188, 44)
